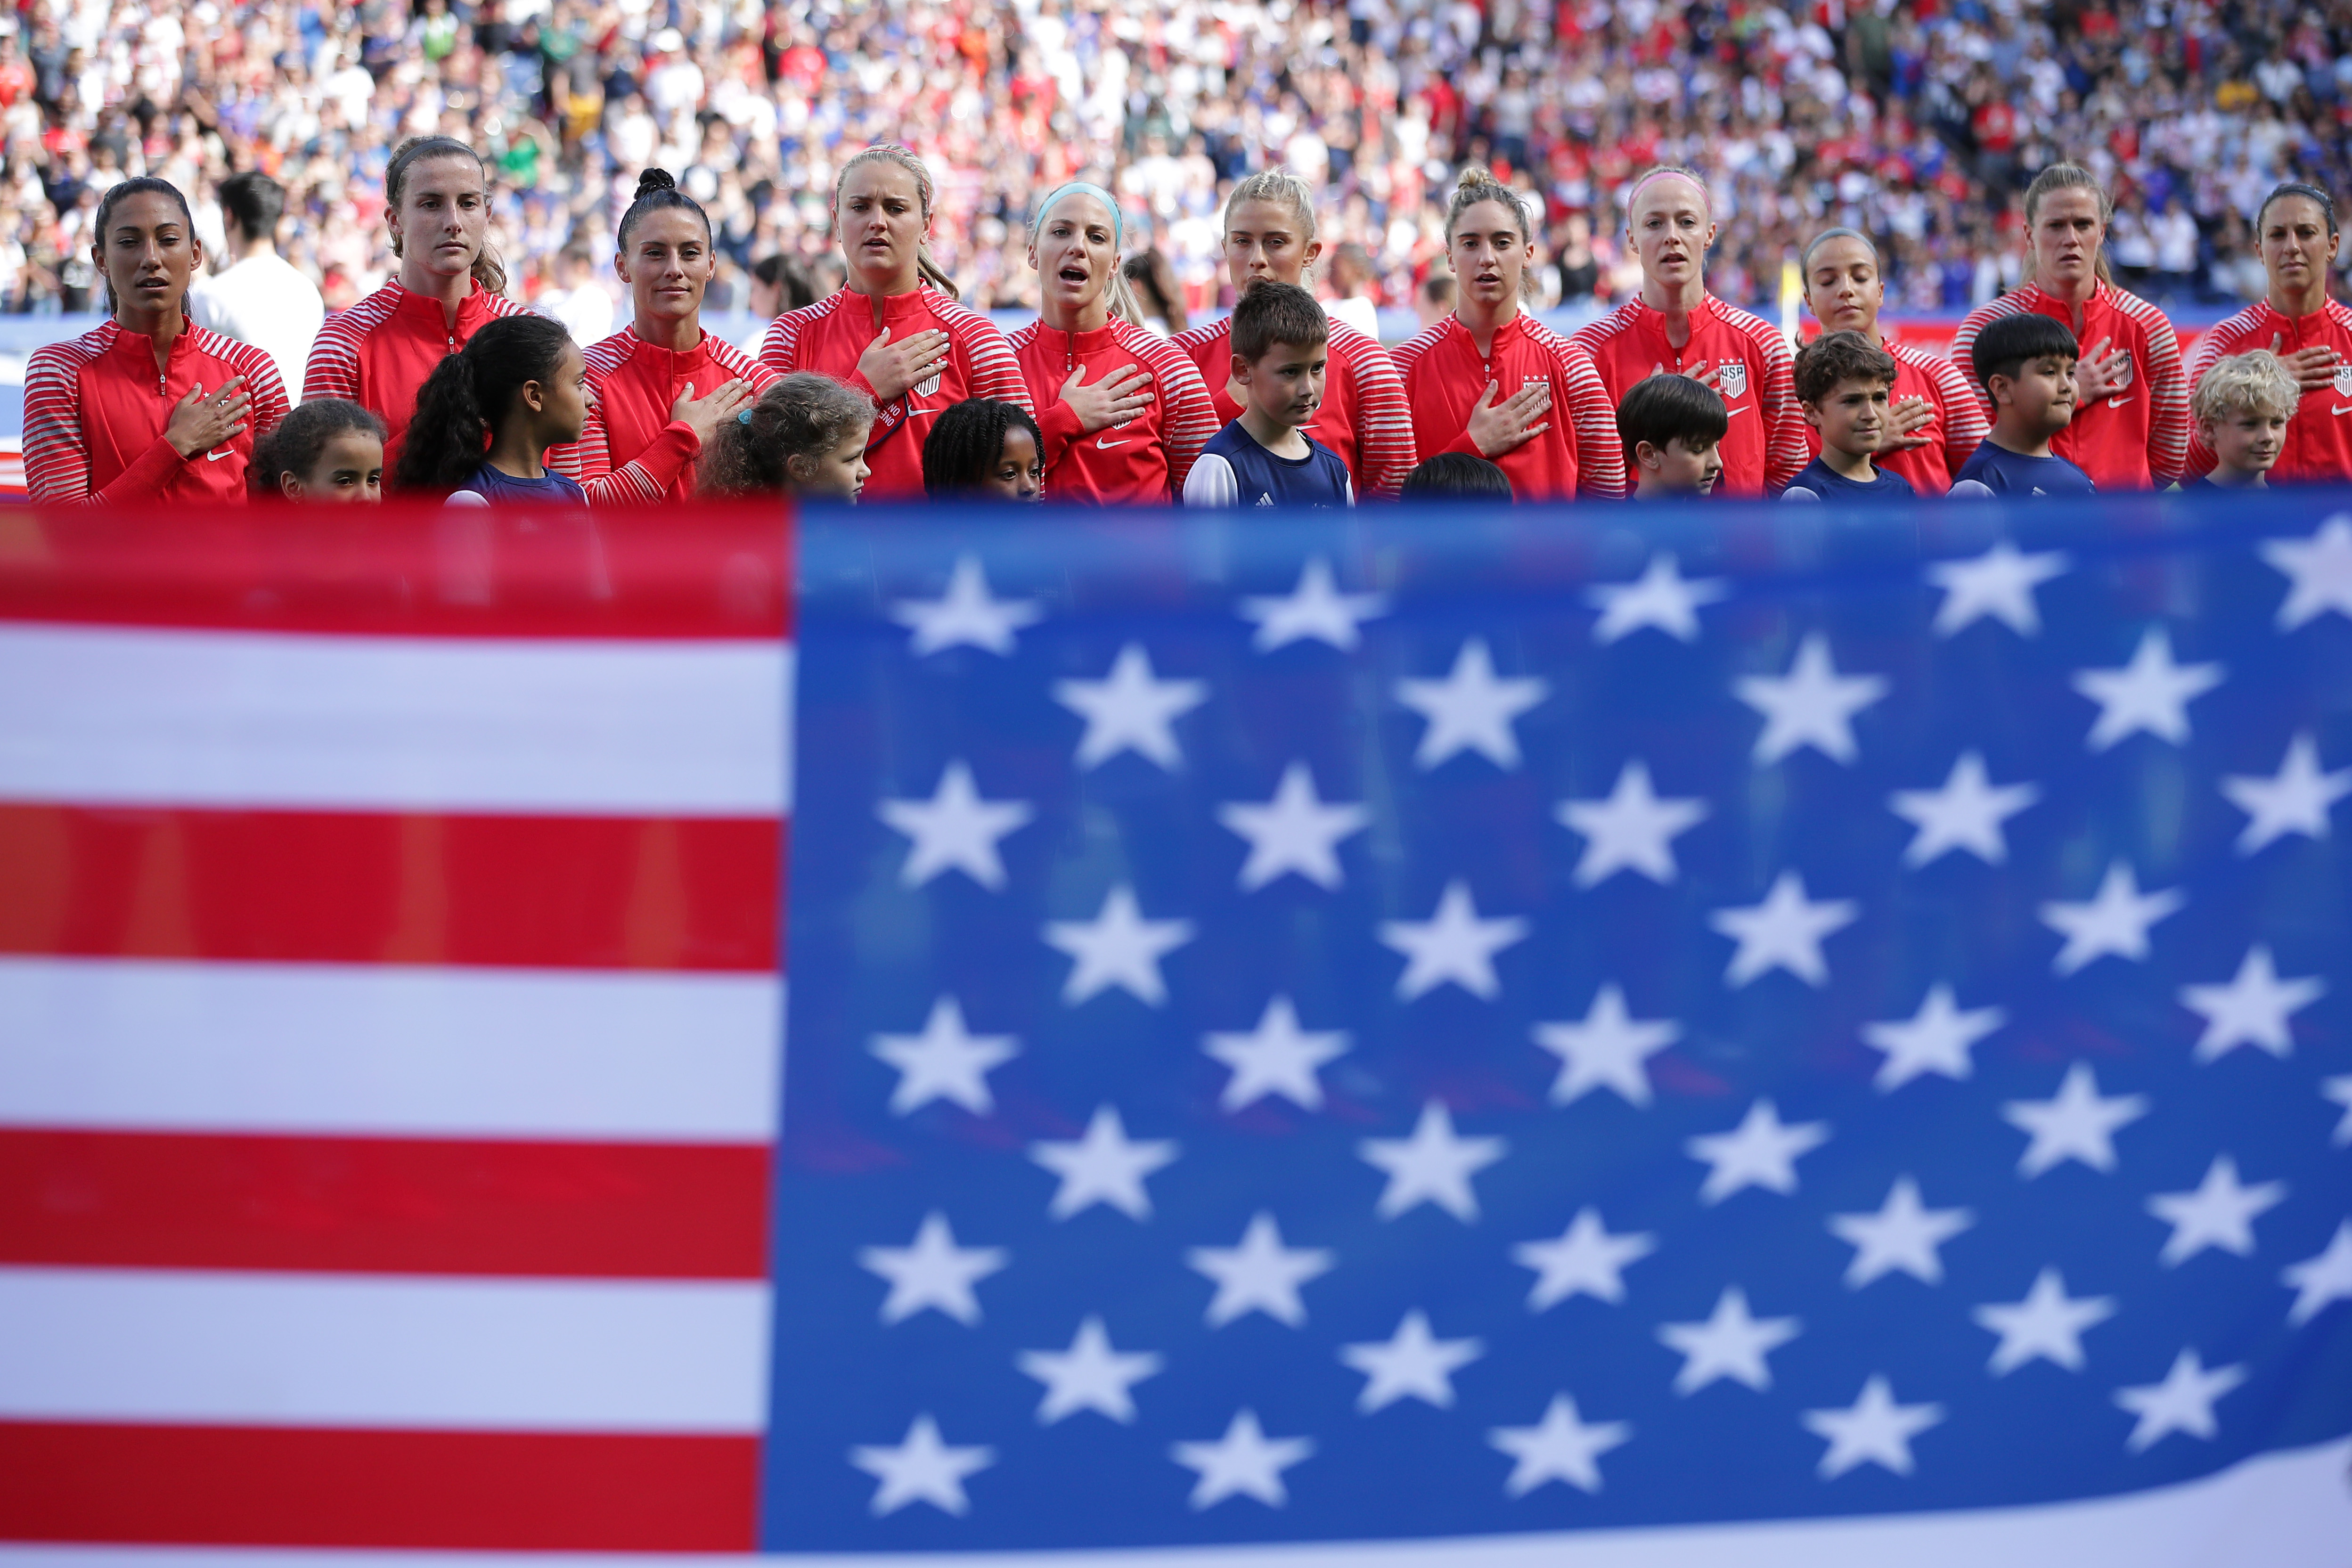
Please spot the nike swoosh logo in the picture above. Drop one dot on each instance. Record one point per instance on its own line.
(1730, 409)
(2333, 409)
(216, 456)
(2118, 402)
(1107, 446)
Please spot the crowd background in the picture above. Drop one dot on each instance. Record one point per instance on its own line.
(1916, 122)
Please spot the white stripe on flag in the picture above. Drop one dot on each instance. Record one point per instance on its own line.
(330, 1351)
(105, 715)
(424, 1052)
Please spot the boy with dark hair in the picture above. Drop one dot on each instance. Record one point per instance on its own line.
(2025, 363)
(1280, 348)
(1844, 383)
(1454, 476)
(1673, 429)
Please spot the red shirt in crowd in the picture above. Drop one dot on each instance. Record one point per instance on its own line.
(96, 409)
(1144, 459)
(378, 353)
(829, 336)
(1364, 417)
(2318, 446)
(1764, 447)
(1958, 428)
(1444, 374)
(631, 449)
(2136, 437)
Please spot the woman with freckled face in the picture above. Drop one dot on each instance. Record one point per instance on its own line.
(896, 330)
(1673, 326)
(2297, 321)
(1936, 420)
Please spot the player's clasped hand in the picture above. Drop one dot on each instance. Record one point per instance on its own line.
(2311, 366)
(1116, 397)
(202, 420)
(1910, 414)
(2102, 370)
(1504, 426)
(891, 368)
(705, 415)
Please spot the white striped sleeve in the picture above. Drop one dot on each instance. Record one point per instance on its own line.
(1385, 449)
(1212, 483)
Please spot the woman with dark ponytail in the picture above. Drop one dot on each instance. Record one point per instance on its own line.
(663, 387)
(436, 193)
(150, 406)
(489, 414)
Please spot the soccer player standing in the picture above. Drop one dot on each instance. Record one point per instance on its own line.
(1937, 416)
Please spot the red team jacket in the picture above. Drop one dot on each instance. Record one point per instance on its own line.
(1146, 458)
(1365, 417)
(2318, 446)
(631, 449)
(1765, 446)
(828, 336)
(1958, 427)
(1445, 374)
(95, 413)
(2135, 439)
(378, 353)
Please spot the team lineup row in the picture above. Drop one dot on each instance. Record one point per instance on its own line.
(864, 389)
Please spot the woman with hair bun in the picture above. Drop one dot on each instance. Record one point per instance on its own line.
(436, 193)
(896, 330)
(661, 385)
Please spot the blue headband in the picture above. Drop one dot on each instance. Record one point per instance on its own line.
(1087, 188)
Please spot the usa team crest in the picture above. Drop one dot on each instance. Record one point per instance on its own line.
(2123, 379)
(1733, 381)
(2344, 381)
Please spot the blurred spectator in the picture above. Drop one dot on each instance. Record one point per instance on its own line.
(578, 299)
(255, 296)
(1157, 290)
(1433, 300)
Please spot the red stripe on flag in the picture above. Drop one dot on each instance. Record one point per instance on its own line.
(203, 1485)
(707, 571)
(383, 1206)
(697, 893)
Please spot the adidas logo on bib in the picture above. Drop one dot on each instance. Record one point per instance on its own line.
(1264, 499)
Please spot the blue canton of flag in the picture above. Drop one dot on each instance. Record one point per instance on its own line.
(1432, 1025)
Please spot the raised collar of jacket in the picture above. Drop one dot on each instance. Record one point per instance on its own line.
(140, 346)
(1509, 333)
(674, 361)
(426, 310)
(1076, 343)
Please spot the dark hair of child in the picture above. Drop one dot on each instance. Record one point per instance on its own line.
(1834, 357)
(965, 440)
(2007, 341)
(803, 414)
(1449, 475)
(294, 446)
(1665, 406)
(1268, 314)
(470, 394)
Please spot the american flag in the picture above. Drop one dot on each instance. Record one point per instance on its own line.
(1694, 1037)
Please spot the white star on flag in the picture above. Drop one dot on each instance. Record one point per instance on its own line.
(1471, 710)
(2339, 1090)
(1609, 1049)
(922, 1468)
(1105, 1166)
(2320, 1281)
(1432, 1166)
(2183, 1402)
(2113, 921)
(1277, 1057)
(1316, 608)
(1129, 710)
(1812, 705)
(1966, 813)
(1260, 1275)
(2220, 1213)
(1585, 1259)
(2318, 570)
(933, 1273)
(1873, 1430)
(2296, 799)
(1411, 1364)
(2252, 1010)
(1560, 1447)
(2000, 583)
(1453, 944)
(1903, 1234)
(1761, 1151)
(1632, 830)
(2150, 693)
(1089, 1376)
(1731, 1344)
(965, 615)
(2048, 1324)
(1117, 947)
(946, 1061)
(1295, 831)
(1660, 597)
(2077, 1124)
(1785, 931)
(1245, 1462)
(955, 830)
(1937, 1039)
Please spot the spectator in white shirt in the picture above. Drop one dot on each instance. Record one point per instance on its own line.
(259, 298)
(578, 301)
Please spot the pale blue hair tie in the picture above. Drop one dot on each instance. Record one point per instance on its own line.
(744, 418)
(1087, 188)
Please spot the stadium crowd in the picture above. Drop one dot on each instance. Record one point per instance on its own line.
(1917, 123)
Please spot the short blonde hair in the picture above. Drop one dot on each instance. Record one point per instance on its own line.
(2256, 382)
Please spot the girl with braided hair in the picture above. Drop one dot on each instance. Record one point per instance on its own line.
(806, 437)
(489, 413)
(985, 449)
